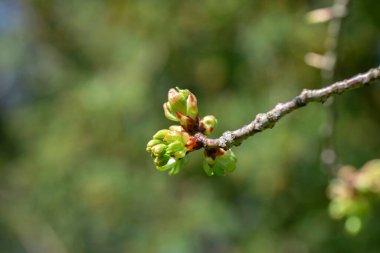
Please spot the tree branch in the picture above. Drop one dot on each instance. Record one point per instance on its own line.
(267, 120)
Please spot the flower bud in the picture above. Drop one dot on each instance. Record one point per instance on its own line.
(176, 128)
(173, 165)
(183, 102)
(171, 162)
(219, 161)
(207, 124)
(177, 99)
(159, 149)
(175, 147)
(161, 160)
(172, 136)
(207, 165)
(168, 148)
(152, 143)
(160, 134)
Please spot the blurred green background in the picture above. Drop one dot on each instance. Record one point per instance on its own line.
(82, 85)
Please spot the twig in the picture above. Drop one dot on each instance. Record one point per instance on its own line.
(269, 119)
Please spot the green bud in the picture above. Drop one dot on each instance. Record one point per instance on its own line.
(207, 124)
(228, 160)
(174, 165)
(170, 164)
(161, 134)
(172, 136)
(168, 148)
(159, 149)
(224, 161)
(208, 164)
(177, 99)
(152, 143)
(176, 128)
(175, 147)
(161, 160)
(185, 137)
(183, 102)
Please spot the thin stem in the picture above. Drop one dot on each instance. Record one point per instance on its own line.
(267, 120)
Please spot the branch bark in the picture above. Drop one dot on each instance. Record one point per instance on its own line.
(267, 120)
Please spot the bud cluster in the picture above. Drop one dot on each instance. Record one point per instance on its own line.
(351, 193)
(170, 146)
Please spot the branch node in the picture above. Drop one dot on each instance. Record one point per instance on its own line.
(299, 101)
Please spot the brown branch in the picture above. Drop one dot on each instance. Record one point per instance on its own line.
(269, 119)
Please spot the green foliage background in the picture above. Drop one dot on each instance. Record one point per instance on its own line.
(82, 85)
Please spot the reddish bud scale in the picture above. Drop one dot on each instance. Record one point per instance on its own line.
(193, 144)
(214, 152)
(189, 125)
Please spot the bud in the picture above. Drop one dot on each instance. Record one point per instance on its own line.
(219, 161)
(183, 102)
(168, 148)
(152, 143)
(206, 165)
(160, 134)
(172, 164)
(161, 160)
(172, 136)
(176, 148)
(176, 128)
(158, 149)
(207, 124)
(177, 99)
